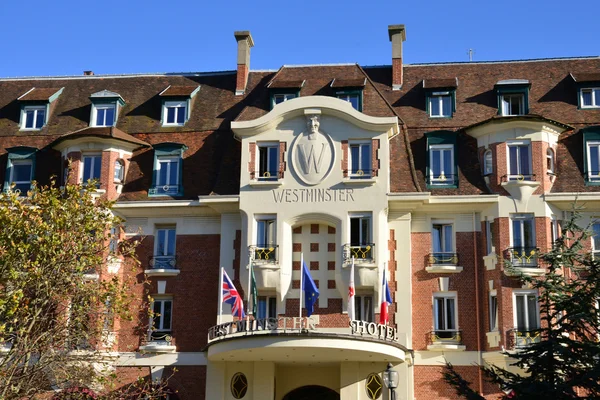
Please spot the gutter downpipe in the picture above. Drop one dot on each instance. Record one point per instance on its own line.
(477, 321)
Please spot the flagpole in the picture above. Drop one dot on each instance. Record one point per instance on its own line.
(301, 274)
(220, 297)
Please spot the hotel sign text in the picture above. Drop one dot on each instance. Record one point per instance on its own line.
(328, 195)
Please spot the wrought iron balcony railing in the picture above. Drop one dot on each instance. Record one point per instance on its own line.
(519, 338)
(442, 258)
(167, 190)
(361, 252)
(445, 336)
(163, 262)
(518, 177)
(442, 180)
(359, 173)
(266, 176)
(523, 257)
(160, 337)
(264, 253)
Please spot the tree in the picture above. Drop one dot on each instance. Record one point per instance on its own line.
(565, 362)
(56, 300)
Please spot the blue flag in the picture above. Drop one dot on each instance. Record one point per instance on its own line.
(311, 293)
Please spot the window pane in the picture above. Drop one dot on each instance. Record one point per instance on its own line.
(594, 167)
(368, 302)
(173, 172)
(436, 163)
(517, 234)
(354, 101)
(596, 237)
(262, 307)
(262, 160)
(39, 122)
(355, 158)
(451, 317)
(597, 97)
(170, 115)
(180, 115)
(87, 168)
(100, 116)
(110, 116)
(366, 230)
(528, 231)
(21, 172)
(273, 161)
(493, 313)
(524, 160)
(586, 97)
(515, 106)
(156, 310)
(354, 231)
(506, 105)
(435, 105)
(488, 162)
(513, 157)
(532, 322)
(29, 119)
(448, 238)
(272, 307)
(358, 308)
(436, 237)
(167, 315)
(171, 242)
(439, 309)
(365, 153)
(448, 167)
(97, 161)
(521, 324)
(447, 106)
(161, 241)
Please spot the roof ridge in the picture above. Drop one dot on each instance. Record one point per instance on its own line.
(131, 75)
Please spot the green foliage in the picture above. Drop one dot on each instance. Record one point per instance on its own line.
(57, 300)
(565, 362)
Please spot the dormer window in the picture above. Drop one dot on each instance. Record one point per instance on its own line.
(513, 97)
(591, 142)
(168, 168)
(281, 90)
(105, 108)
(441, 97)
(590, 98)
(588, 89)
(20, 169)
(35, 107)
(441, 162)
(176, 104)
(350, 90)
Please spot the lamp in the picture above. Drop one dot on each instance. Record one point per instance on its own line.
(390, 378)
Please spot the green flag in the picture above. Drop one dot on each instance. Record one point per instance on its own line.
(253, 290)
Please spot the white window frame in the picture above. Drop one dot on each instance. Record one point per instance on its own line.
(439, 98)
(442, 179)
(595, 250)
(92, 156)
(361, 172)
(169, 160)
(348, 97)
(266, 219)
(528, 293)
(269, 299)
(590, 168)
(119, 172)
(14, 162)
(444, 223)
(175, 104)
(550, 161)
(595, 92)
(361, 307)
(35, 110)
(361, 217)
(488, 162)
(283, 97)
(161, 327)
(267, 175)
(518, 144)
(446, 296)
(493, 310)
(489, 239)
(523, 217)
(507, 99)
(161, 256)
(103, 106)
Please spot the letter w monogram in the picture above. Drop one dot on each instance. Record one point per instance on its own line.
(311, 160)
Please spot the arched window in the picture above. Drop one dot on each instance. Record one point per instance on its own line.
(550, 160)
(488, 167)
(119, 171)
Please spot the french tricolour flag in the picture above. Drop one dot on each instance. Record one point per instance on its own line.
(351, 292)
(386, 300)
(232, 296)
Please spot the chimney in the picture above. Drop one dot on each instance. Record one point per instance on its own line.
(245, 42)
(397, 36)
(88, 73)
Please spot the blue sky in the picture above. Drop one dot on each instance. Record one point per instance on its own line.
(65, 37)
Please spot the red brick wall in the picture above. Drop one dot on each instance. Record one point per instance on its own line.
(397, 71)
(430, 385)
(242, 77)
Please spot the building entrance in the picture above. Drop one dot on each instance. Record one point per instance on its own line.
(312, 393)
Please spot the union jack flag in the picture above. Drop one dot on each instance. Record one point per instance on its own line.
(232, 296)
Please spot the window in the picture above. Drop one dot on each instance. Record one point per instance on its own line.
(119, 171)
(113, 243)
(596, 239)
(92, 164)
(164, 249)
(363, 308)
(519, 161)
(440, 104)
(593, 161)
(550, 160)
(442, 238)
(360, 160)
(493, 299)
(360, 246)
(513, 104)
(267, 307)
(268, 161)
(489, 237)
(524, 251)
(265, 232)
(589, 98)
(554, 229)
(354, 98)
(20, 175)
(281, 97)
(162, 310)
(167, 170)
(174, 113)
(488, 166)
(103, 114)
(444, 315)
(441, 165)
(33, 117)
(526, 311)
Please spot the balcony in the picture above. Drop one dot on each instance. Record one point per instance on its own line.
(362, 253)
(446, 340)
(158, 342)
(267, 178)
(264, 253)
(165, 190)
(364, 176)
(518, 339)
(442, 262)
(524, 261)
(162, 266)
(518, 178)
(442, 181)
